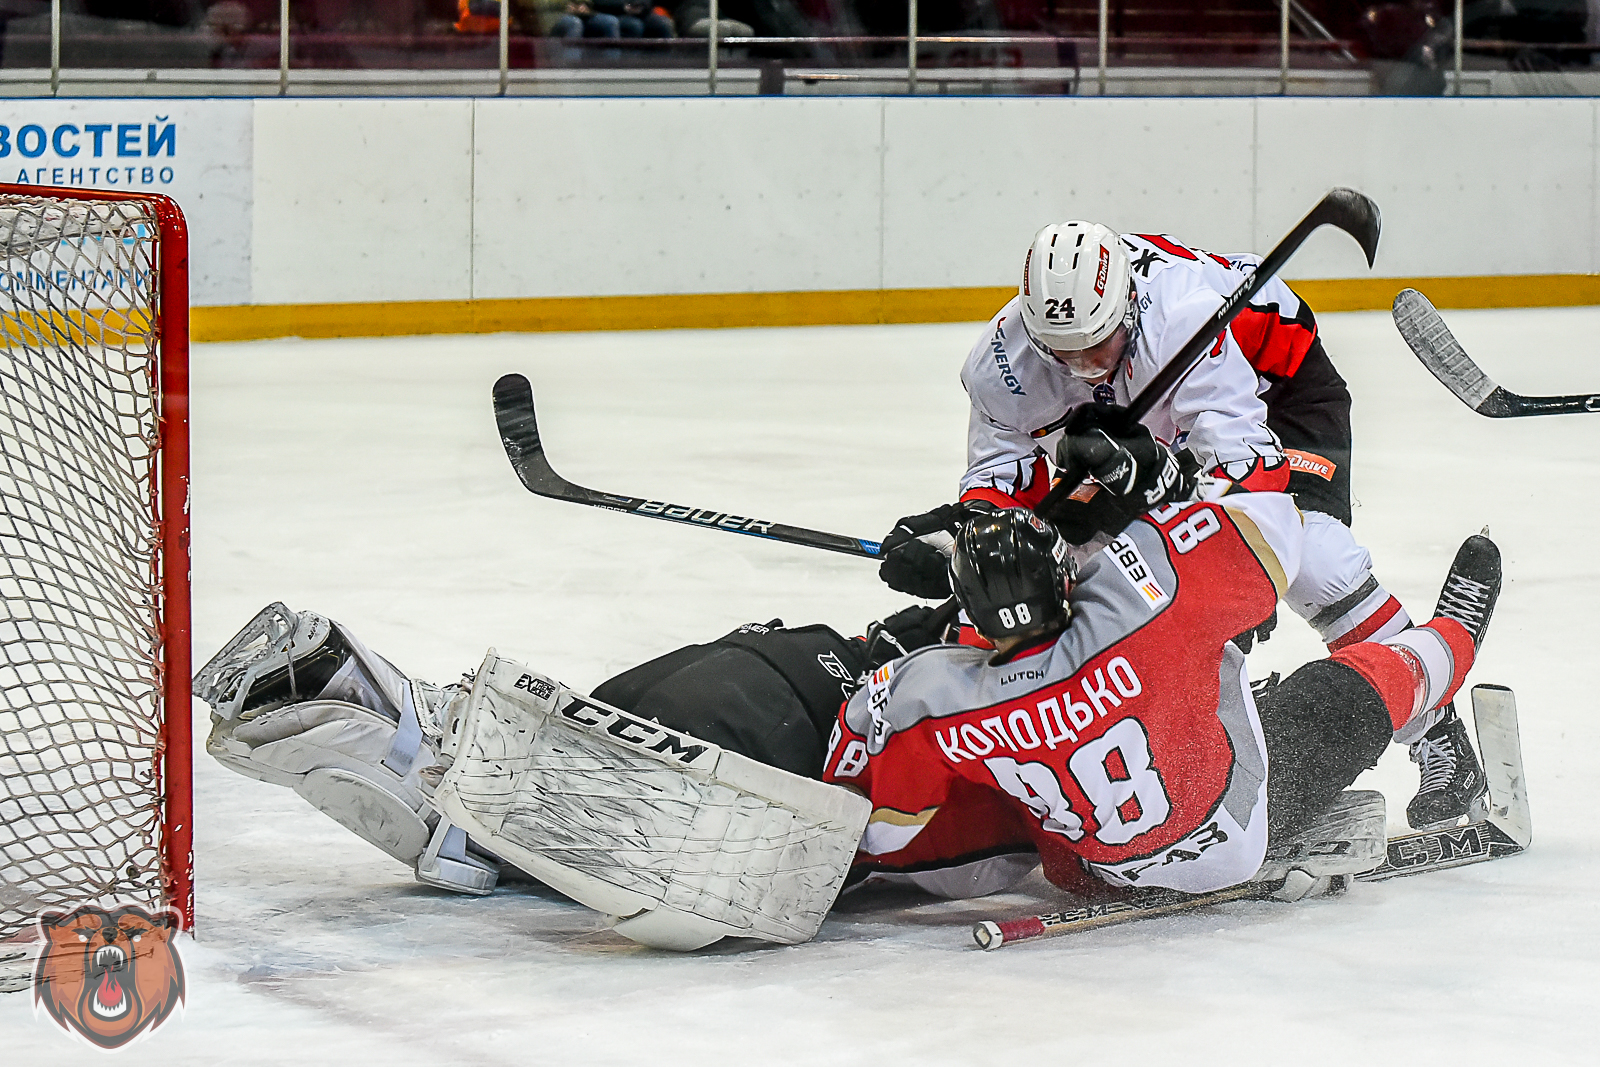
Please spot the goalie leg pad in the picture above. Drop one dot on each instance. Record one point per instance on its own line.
(334, 755)
(1348, 838)
(682, 841)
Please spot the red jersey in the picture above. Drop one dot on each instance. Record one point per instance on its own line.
(1130, 740)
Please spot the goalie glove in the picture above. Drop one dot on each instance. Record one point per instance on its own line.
(1135, 473)
(916, 552)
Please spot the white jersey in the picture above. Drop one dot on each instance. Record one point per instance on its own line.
(1017, 393)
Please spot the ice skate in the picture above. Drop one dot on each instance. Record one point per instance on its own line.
(278, 657)
(1472, 586)
(1453, 782)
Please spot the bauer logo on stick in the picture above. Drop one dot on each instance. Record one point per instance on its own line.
(108, 975)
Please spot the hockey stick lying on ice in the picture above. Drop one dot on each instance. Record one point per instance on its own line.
(1345, 209)
(1505, 829)
(1419, 323)
(519, 433)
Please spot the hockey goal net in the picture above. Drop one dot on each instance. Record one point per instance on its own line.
(95, 726)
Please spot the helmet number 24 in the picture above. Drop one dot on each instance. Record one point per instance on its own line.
(1115, 771)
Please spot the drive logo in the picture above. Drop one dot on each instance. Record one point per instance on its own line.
(1125, 554)
(108, 975)
(1311, 463)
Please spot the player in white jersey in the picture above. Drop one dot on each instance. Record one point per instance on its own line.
(1096, 317)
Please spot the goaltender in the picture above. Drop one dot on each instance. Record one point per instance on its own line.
(1111, 733)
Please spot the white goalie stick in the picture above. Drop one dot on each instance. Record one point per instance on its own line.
(1503, 828)
(1427, 335)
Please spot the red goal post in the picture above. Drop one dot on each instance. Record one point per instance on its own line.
(96, 730)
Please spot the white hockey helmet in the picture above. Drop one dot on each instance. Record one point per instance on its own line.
(1076, 287)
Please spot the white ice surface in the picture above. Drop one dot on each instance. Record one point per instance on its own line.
(364, 479)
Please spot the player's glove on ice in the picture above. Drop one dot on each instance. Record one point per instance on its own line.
(1135, 472)
(914, 559)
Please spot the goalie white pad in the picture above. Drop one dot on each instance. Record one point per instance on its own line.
(1347, 839)
(333, 754)
(681, 841)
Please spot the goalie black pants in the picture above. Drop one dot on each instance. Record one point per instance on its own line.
(1324, 725)
(763, 691)
(1310, 413)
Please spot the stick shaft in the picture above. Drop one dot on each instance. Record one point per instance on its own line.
(519, 434)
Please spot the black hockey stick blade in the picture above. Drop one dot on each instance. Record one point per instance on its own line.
(1344, 209)
(1431, 340)
(519, 433)
(1505, 829)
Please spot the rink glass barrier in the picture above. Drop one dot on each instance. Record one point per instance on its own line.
(776, 47)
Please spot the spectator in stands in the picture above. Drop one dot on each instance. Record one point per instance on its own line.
(610, 19)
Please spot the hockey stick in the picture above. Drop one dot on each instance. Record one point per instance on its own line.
(1505, 830)
(519, 433)
(1427, 335)
(1343, 208)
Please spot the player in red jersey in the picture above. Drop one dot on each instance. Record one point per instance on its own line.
(1113, 730)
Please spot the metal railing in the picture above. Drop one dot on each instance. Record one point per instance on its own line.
(1313, 38)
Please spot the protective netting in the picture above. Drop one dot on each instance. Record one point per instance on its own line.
(80, 806)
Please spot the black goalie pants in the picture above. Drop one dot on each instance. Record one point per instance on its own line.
(769, 693)
(1324, 725)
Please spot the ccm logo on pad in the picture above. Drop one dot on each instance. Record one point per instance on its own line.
(650, 736)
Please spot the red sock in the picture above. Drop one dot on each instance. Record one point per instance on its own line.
(1396, 671)
(1395, 676)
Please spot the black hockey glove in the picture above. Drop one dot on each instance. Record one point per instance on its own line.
(1248, 640)
(1114, 419)
(905, 631)
(912, 565)
(1135, 472)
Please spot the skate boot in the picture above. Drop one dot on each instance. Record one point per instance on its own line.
(1472, 586)
(280, 656)
(1453, 782)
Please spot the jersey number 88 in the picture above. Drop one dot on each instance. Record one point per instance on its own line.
(1115, 771)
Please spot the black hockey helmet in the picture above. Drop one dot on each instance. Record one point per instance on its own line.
(1011, 570)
